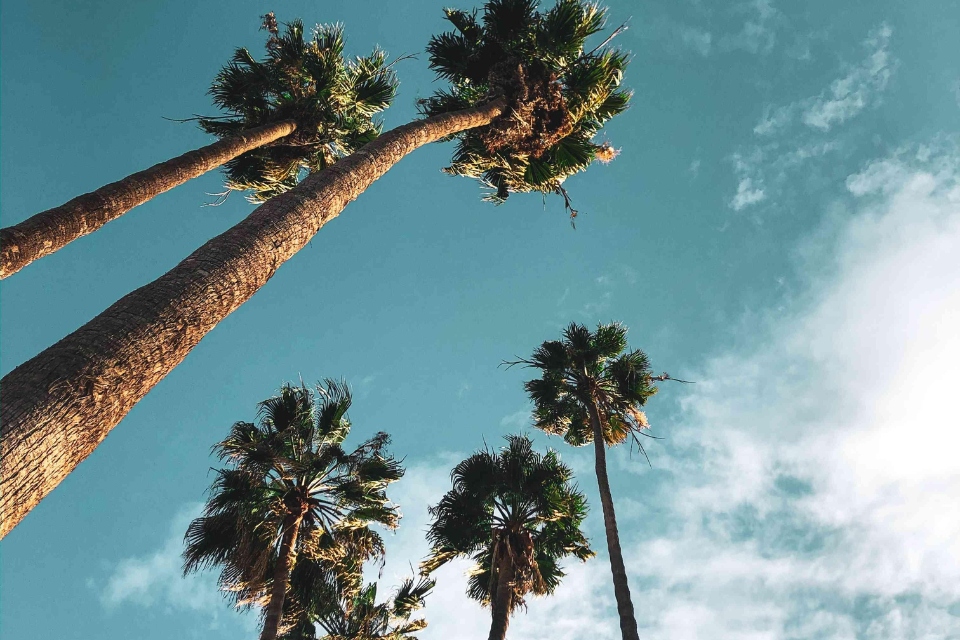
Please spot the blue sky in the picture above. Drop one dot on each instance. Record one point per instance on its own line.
(782, 226)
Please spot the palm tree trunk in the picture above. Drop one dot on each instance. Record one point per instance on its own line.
(281, 576)
(501, 605)
(59, 405)
(628, 622)
(53, 229)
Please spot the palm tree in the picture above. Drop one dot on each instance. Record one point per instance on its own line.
(301, 108)
(57, 407)
(516, 513)
(592, 391)
(290, 490)
(344, 609)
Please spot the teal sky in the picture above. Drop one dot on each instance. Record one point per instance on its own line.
(782, 226)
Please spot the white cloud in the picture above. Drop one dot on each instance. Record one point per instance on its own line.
(758, 34)
(154, 580)
(846, 96)
(816, 469)
(763, 168)
(518, 419)
(697, 39)
(747, 194)
(774, 119)
(852, 93)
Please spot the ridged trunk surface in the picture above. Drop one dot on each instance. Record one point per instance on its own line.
(621, 590)
(281, 576)
(53, 229)
(501, 605)
(58, 406)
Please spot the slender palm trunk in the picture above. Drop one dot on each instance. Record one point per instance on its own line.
(53, 229)
(281, 576)
(628, 622)
(501, 605)
(59, 405)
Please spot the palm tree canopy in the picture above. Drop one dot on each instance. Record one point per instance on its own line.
(333, 101)
(585, 367)
(558, 94)
(292, 462)
(345, 609)
(517, 503)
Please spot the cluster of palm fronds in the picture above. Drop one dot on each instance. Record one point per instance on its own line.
(514, 52)
(288, 471)
(513, 511)
(586, 368)
(331, 99)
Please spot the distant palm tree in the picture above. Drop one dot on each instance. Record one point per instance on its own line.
(303, 107)
(535, 97)
(344, 609)
(516, 513)
(290, 490)
(592, 391)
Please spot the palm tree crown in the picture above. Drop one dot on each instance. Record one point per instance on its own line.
(289, 469)
(515, 510)
(307, 80)
(344, 609)
(558, 95)
(586, 367)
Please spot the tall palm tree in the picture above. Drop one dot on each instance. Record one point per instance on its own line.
(58, 406)
(591, 390)
(516, 513)
(290, 490)
(303, 107)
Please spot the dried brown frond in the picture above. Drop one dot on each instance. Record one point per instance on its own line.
(606, 153)
(270, 23)
(536, 116)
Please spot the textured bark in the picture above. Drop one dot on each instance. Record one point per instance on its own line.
(53, 229)
(628, 622)
(58, 406)
(502, 603)
(281, 576)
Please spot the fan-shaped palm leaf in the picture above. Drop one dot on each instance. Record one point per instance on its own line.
(515, 513)
(291, 492)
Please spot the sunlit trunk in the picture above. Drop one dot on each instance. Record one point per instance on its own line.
(621, 590)
(281, 576)
(53, 229)
(57, 407)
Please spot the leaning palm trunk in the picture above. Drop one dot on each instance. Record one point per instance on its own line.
(501, 605)
(58, 406)
(281, 576)
(53, 229)
(621, 590)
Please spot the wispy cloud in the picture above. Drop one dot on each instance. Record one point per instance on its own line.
(861, 85)
(758, 34)
(792, 134)
(154, 580)
(517, 420)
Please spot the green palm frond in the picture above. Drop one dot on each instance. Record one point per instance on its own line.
(586, 367)
(307, 79)
(545, 51)
(291, 461)
(514, 505)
